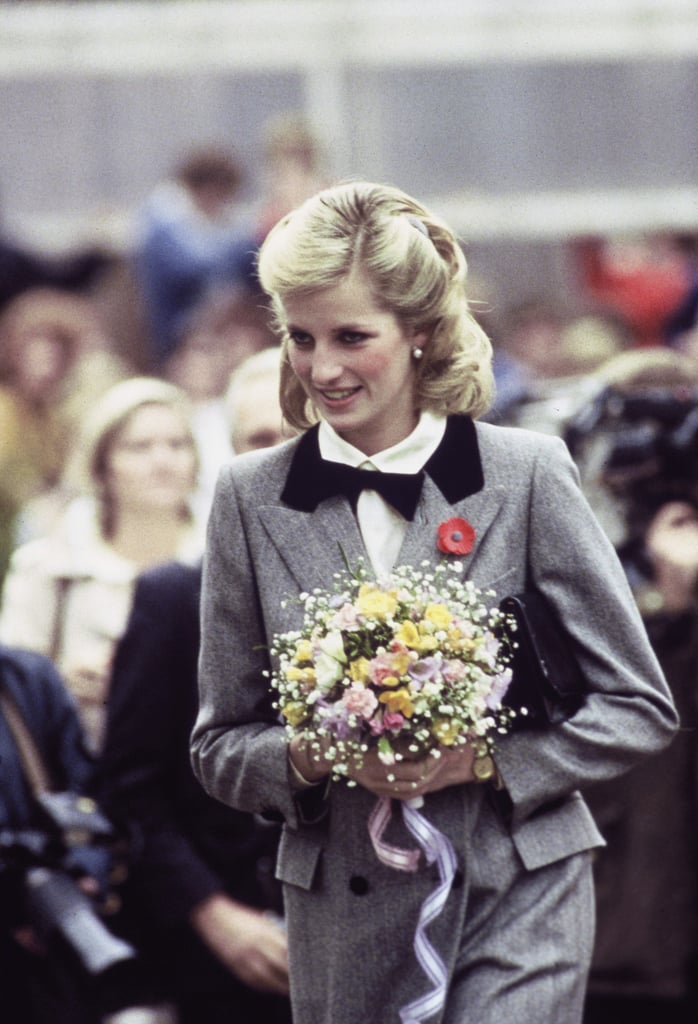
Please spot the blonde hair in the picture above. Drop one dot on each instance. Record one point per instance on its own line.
(651, 367)
(416, 269)
(262, 365)
(102, 427)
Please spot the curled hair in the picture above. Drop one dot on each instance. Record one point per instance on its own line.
(416, 270)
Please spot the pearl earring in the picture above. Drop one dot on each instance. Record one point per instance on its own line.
(417, 352)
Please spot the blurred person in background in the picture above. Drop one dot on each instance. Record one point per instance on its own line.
(191, 239)
(22, 269)
(45, 979)
(68, 595)
(201, 900)
(639, 439)
(643, 278)
(226, 329)
(55, 361)
(294, 167)
(252, 403)
(544, 362)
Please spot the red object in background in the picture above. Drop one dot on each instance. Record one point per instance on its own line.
(643, 281)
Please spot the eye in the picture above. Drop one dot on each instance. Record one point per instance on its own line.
(351, 337)
(134, 447)
(300, 338)
(180, 444)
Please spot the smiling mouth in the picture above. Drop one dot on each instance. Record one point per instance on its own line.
(339, 395)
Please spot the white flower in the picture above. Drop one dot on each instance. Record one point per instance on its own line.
(330, 660)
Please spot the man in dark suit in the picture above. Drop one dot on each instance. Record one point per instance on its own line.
(201, 901)
(201, 894)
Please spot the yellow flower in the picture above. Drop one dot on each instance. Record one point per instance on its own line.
(375, 603)
(438, 615)
(294, 712)
(445, 731)
(408, 634)
(359, 670)
(398, 700)
(401, 662)
(390, 681)
(426, 643)
(300, 675)
(304, 651)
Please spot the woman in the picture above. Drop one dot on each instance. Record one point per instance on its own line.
(68, 595)
(379, 345)
(55, 361)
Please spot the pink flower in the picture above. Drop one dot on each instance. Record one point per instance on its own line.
(359, 700)
(346, 617)
(453, 671)
(382, 667)
(455, 537)
(393, 721)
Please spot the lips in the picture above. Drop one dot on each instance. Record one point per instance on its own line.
(339, 394)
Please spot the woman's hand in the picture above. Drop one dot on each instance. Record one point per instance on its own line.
(449, 766)
(308, 762)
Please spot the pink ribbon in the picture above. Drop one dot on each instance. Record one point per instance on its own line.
(437, 850)
(392, 856)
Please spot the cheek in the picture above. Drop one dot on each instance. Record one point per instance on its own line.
(394, 369)
(190, 469)
(301, 363)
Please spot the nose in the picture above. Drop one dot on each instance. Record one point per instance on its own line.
(326, 366)
(164, 454)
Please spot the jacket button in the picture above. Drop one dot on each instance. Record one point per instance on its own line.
(358, 885)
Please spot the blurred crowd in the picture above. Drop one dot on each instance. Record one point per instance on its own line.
(126, 381)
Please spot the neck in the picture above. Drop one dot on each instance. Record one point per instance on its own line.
(149, 540)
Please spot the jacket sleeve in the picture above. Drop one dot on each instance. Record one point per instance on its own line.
(628, 713)
(239, 747)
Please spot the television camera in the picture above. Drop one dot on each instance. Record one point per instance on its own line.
(46, 863)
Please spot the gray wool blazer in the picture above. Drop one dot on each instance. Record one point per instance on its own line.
(533, 526)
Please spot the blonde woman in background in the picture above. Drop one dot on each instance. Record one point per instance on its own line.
(56, 360)
(68, 595)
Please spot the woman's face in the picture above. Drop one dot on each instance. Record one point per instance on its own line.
(152, 462)
(41, 361)
(355, 363)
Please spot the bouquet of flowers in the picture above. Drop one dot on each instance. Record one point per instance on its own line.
(409, 664)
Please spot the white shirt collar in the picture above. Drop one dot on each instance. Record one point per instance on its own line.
(407, 456)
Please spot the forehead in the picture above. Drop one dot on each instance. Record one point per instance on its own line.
(351, 300)
(152, 419)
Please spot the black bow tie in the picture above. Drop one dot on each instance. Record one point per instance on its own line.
(454, 467)
(401, 490)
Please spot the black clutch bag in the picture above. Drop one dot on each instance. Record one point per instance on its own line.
(546, 680)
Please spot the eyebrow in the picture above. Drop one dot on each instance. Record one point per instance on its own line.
(352, 325)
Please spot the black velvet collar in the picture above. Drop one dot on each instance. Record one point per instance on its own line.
(455, 467)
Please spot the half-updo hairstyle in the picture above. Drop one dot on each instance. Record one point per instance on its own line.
(416, 270)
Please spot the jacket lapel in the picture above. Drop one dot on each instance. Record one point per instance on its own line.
(480, 510)
(313, 545)
(317, 538)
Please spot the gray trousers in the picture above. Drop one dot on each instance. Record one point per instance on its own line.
(517, 944)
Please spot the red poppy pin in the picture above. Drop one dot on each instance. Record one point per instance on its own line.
(455, 537)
